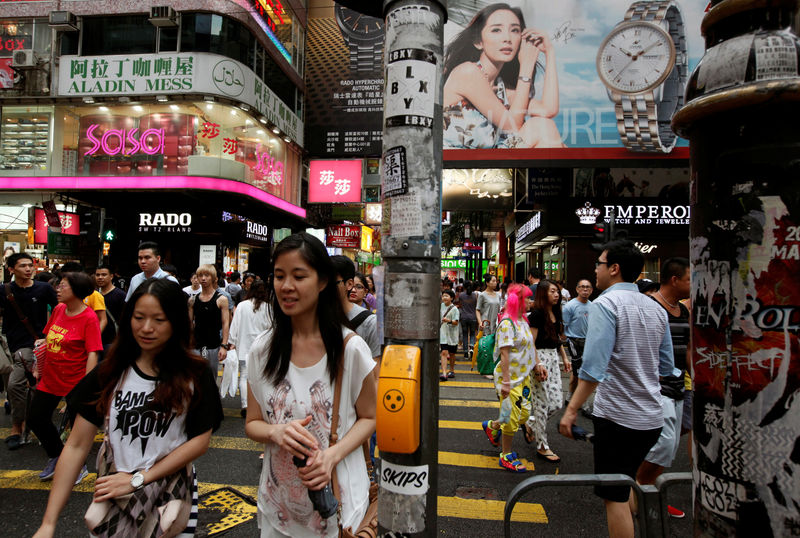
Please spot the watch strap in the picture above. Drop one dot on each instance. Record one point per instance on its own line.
(644, 120)
(365, 57)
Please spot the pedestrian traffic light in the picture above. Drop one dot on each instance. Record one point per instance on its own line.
(109, 229)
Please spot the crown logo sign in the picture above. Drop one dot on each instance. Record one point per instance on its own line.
(588, 214)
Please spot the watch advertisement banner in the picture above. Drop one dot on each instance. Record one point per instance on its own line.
(545, 66)
(344, 81)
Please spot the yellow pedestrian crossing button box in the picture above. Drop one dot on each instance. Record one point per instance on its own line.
(398, 400)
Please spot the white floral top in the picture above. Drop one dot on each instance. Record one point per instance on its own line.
(521, 356)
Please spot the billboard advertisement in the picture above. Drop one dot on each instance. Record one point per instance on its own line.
(526, 74)
(333, 182)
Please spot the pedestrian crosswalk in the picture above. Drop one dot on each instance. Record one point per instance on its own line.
(477, 464)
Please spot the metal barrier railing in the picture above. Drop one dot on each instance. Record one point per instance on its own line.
(652, 504)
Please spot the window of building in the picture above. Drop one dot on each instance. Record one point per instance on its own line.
(118, 35)
(168, 39)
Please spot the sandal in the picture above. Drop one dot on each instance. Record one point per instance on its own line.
(451, 374)
(442, 378)
(548, 456)
(527, 432)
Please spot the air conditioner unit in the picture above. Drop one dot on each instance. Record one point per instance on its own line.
(24, 59)
(163, 16)
(63, 20)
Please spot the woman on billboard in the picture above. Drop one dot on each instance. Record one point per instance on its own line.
(489, 70)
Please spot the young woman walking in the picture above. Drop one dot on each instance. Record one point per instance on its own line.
(72, 340)
(546, 392)
(146, 479)
(252, 317)
(292, 372)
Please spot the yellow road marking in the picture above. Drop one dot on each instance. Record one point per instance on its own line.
(469, 403)
(233, 508)
(476, 460)
(460, 425)
(235, 443)
(447, 506)
(464, 363)
(27, 479)
(467, 384)
(489, 509)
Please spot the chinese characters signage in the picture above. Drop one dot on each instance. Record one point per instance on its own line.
(70, 224)
(343, 236)
(151, 74)
(335, 181)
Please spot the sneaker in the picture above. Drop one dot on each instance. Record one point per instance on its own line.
(81, 475)
(674, 512)
(511, 462)
(493, 435)
(49, 470)
(451, 375)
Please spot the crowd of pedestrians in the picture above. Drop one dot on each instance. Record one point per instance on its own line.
(300, 338)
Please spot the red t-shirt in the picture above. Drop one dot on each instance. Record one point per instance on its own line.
(70, 339)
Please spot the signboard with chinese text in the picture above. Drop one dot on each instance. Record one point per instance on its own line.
(152, 74)
(334, 182)
(348, 236)
(366, 239)
(70, 224)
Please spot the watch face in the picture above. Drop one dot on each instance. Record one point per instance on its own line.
(635, 57)
(357, 24)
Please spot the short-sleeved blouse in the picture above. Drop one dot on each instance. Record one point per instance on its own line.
(518, 336)
(283, 502)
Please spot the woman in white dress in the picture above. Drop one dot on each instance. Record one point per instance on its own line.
(291, 376)
(252, 317)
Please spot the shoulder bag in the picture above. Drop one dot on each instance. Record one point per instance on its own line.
(368, 528)
(160, 508)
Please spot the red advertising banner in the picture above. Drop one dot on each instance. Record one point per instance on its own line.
(343, 236)
(334, 182)
(70, 224)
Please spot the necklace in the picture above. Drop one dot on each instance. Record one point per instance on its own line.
(665, 300)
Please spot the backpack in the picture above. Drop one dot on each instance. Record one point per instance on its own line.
(360, 318)
(486, 361)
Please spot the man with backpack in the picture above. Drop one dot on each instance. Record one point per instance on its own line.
(24, 303)
(362, 321)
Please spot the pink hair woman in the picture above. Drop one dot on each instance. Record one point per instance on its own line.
(514, 348)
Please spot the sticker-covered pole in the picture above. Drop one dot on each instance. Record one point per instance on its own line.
(411, 245)
(742, 101)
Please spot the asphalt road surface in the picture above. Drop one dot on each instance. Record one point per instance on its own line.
(472, 487)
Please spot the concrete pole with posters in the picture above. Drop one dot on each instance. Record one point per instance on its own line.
(742, 103)
(411, 241)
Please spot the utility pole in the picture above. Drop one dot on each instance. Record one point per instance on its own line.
(744, 243)
(411, 174)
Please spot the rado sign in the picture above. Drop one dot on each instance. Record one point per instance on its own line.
(257, 231)
(165, 222)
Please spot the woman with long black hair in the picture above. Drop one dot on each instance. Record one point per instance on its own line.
(292, 372)
(546, 391)
(159, 405)
(489, 71)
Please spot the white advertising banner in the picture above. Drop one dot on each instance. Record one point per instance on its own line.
(166, 74)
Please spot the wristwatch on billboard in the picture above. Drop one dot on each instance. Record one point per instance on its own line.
(643, 64)
(364, 36)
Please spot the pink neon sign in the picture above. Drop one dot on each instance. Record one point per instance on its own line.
(271, 167)
(141, 144)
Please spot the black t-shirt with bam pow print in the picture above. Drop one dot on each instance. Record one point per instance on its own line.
(139, 434)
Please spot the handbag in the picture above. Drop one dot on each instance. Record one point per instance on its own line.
(161, 508)
(368, 528)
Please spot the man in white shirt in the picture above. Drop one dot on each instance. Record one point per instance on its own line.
(194, 288)
(150, 264)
